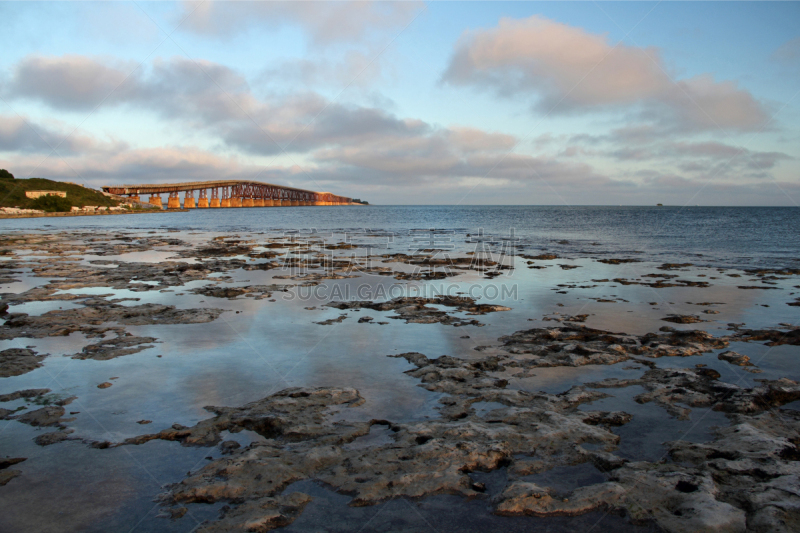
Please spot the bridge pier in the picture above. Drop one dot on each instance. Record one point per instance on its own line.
(236, 202)
(258, 202)
(202, 203)
(294, 203)
(134, 197)
(188, 200)
(267, 202)
(248, 202)
(214, 202)
(174, 201)
(155, 200)
(225, 202)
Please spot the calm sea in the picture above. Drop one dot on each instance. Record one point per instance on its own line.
(724, 236)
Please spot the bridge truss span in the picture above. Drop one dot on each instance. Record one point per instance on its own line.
(227, 193)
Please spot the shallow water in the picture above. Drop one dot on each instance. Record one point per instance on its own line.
(258, 347)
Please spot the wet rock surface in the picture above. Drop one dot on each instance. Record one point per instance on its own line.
(331, 321)
(7, 474)
(54, 437)
(699, 387)
(528, 433)
(735, 358)
(256, 291)
(773, 337)
(98, 312)
(46, 416)
(683, 319)
(722, 485)
(18, 361)
(578, 345)
(27, 393)
(743, 480)
(417, 310)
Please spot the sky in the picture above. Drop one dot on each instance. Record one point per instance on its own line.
(556, 103)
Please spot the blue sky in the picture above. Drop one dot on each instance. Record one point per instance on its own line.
(412, 102)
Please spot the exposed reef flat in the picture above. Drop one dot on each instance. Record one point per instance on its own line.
(418, 310)
(739, 477)
(202, 357)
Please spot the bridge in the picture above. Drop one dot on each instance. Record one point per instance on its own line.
(227, 193)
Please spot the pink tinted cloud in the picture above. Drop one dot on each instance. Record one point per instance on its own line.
(570, 70)
(325, 22)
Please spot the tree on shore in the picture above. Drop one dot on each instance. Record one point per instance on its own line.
(52, 204)
(5, 174)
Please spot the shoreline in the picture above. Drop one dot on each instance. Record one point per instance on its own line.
(58, 215)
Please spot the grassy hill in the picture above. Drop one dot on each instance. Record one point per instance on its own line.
(12, 192)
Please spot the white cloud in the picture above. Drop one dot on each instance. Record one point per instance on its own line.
(570, 70)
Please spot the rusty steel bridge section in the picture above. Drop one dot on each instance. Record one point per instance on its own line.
(227, 193)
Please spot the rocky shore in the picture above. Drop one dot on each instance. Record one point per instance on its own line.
(31, 213)
(543, 382)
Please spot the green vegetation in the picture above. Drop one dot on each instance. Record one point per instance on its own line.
(12, 193)
(52, 204)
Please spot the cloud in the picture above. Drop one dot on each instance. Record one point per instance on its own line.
(204, 94)
(66, 82)
(352, 149)
(23, 135)
(325, 22)
(342, 142)
(211, 97)
(353, 69)
(446, 159)
(703, 155)
(570, 70)
(475, 140)
(493, 177)
(173, 87)
(151, 165)
(788, 52)
(453, 155)
(709, 160)
(700, 103)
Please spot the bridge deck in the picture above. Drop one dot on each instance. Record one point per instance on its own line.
(162, 188)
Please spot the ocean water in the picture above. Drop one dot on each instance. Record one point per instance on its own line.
(706, 236)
